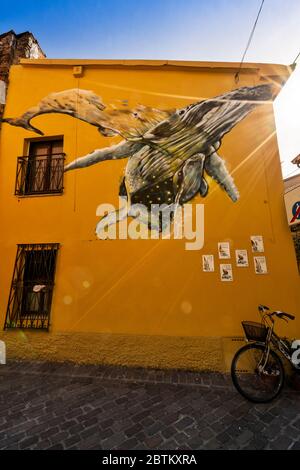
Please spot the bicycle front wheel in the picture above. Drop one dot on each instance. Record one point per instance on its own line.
(256, 384)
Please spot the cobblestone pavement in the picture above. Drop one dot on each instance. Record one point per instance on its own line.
(65, 406)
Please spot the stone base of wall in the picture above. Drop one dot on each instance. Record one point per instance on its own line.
(164, 352)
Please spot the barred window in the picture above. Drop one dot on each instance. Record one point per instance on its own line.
(32, 285)
(42, 171)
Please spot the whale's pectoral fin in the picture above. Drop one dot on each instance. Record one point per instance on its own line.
(122, 150)
(216, 168)
(189, 179)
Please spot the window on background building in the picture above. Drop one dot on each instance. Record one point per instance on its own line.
(296, 238)
(32, 285)
(42, 171)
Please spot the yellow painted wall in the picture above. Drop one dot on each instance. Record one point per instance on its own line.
(127, 290)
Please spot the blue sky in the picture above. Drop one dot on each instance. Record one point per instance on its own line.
(171, 29)
(167, 29)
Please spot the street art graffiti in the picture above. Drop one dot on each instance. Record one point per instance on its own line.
(170, 152)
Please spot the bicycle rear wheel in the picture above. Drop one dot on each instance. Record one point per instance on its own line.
(257, 386)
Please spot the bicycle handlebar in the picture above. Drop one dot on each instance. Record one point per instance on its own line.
(278, 313)
(283, 314)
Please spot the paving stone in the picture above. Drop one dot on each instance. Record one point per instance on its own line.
(281, 443)
(133, 430)
(153, 442)
(213, 444)
(272, 432)
(28, 443)
(42, 445)
(297, 423)
(56, 447)
(154, 428)
(129, 444)
(49, 432)
(12, 440)
(244, 437)
(114, 441)
(223, 437)
(184, 423)
(59, 438)
(64, 406)
(169, 432)
(71, 441)
(206, 433)
(292, 432)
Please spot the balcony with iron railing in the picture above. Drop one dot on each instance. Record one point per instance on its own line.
(40, 174)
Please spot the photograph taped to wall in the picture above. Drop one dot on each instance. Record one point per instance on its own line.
(257, 244)
(224, 250)
(208, 263)
(241, 257)
(260, 265)
(226, 272)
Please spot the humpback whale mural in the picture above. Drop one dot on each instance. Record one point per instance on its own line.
(169, 152)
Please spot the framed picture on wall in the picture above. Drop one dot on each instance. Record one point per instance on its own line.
(260, 265)
(208, 263)
(224, 250)
(226, 272)
(257, 244)
(241, 257)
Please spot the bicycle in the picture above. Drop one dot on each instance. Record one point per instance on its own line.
(257, 371)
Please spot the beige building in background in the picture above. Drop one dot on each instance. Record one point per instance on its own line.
(292, 203)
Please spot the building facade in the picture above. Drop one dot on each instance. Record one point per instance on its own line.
(292, 203)
(82, 277)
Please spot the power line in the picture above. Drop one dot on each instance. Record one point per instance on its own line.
(249, 41)
(296, 58)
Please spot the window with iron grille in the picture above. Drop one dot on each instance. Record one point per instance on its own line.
(42, 171)
(32, 285)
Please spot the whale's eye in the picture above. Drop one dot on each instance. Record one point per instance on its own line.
(181, 112)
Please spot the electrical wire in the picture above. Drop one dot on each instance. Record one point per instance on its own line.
(296, 58)
(249, 42)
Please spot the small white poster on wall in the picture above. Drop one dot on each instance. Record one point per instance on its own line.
(241, 257)
(208, 263)
(226, 272)
(224, 250)
(257, 244)
(260, 265)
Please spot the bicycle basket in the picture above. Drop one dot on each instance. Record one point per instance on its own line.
(255, 331)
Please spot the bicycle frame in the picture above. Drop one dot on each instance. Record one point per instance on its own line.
(272, 339)
(281, 347)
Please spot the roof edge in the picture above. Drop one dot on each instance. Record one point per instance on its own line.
(265, 67)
